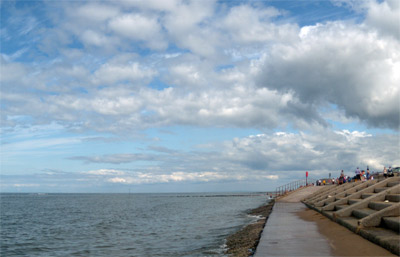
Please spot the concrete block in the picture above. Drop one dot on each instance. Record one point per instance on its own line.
(353, 201)
(362, 213)
(374, 220)
(380, 189)
(365, 202)
(393, 197)
(393, 183)
(366, 195)
(379, 205)
(392, 222)
(339, 207)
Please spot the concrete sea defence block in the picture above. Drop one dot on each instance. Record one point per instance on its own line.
(368, 190)
(364, 203)
(375, 219)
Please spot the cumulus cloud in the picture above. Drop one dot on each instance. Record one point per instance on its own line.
(298, 70)
(139, 27)
(268, 156)
(95, 12)
(134, 65)
(341, 64)
(250, 25)
(385, 17)
(291, 154)
(109, 74)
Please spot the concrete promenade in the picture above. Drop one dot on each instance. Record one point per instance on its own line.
(288, 233)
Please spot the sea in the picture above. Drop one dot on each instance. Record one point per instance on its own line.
(195, 224)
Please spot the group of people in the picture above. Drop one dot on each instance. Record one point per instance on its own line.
(366, 175)
(359, 175)
(362, 175)
(388, 172)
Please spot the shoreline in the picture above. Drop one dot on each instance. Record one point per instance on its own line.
(244, 242)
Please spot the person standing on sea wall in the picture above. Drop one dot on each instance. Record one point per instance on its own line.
(385, 172)
(341, 178)
(390, 172)
(363, 176)
(358, 173)
(368, 174)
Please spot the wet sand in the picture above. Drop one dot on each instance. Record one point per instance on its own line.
(342, 241)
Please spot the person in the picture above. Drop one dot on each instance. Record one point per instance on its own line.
(390, 172)
(385, 172)
(341, 178)
(363, 176)
(358, 173)
(368, 174)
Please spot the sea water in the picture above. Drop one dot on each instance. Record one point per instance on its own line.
(122, 224)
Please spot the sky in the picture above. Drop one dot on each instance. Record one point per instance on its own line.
(195, 95)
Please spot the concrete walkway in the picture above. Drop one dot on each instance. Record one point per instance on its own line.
(286, 234)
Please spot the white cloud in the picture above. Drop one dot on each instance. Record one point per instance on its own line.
(91, 37)
(177, 177)
(318, 152)
(380, 15)
(95, 12)
(342, 64)
(110, 74)
(273, 156)
(134, 65)
(115, 158)
(139, 27)
(351, 136)
(105, 172)
(117, 180)
(26, 185)
(385, 16)
(165, 5)
(11, 71)
(190, 26)
(333, 63)
(246, 24)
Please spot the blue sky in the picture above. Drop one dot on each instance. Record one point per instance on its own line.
(178, 96)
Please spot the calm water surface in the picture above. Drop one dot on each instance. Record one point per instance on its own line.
(121, 224)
